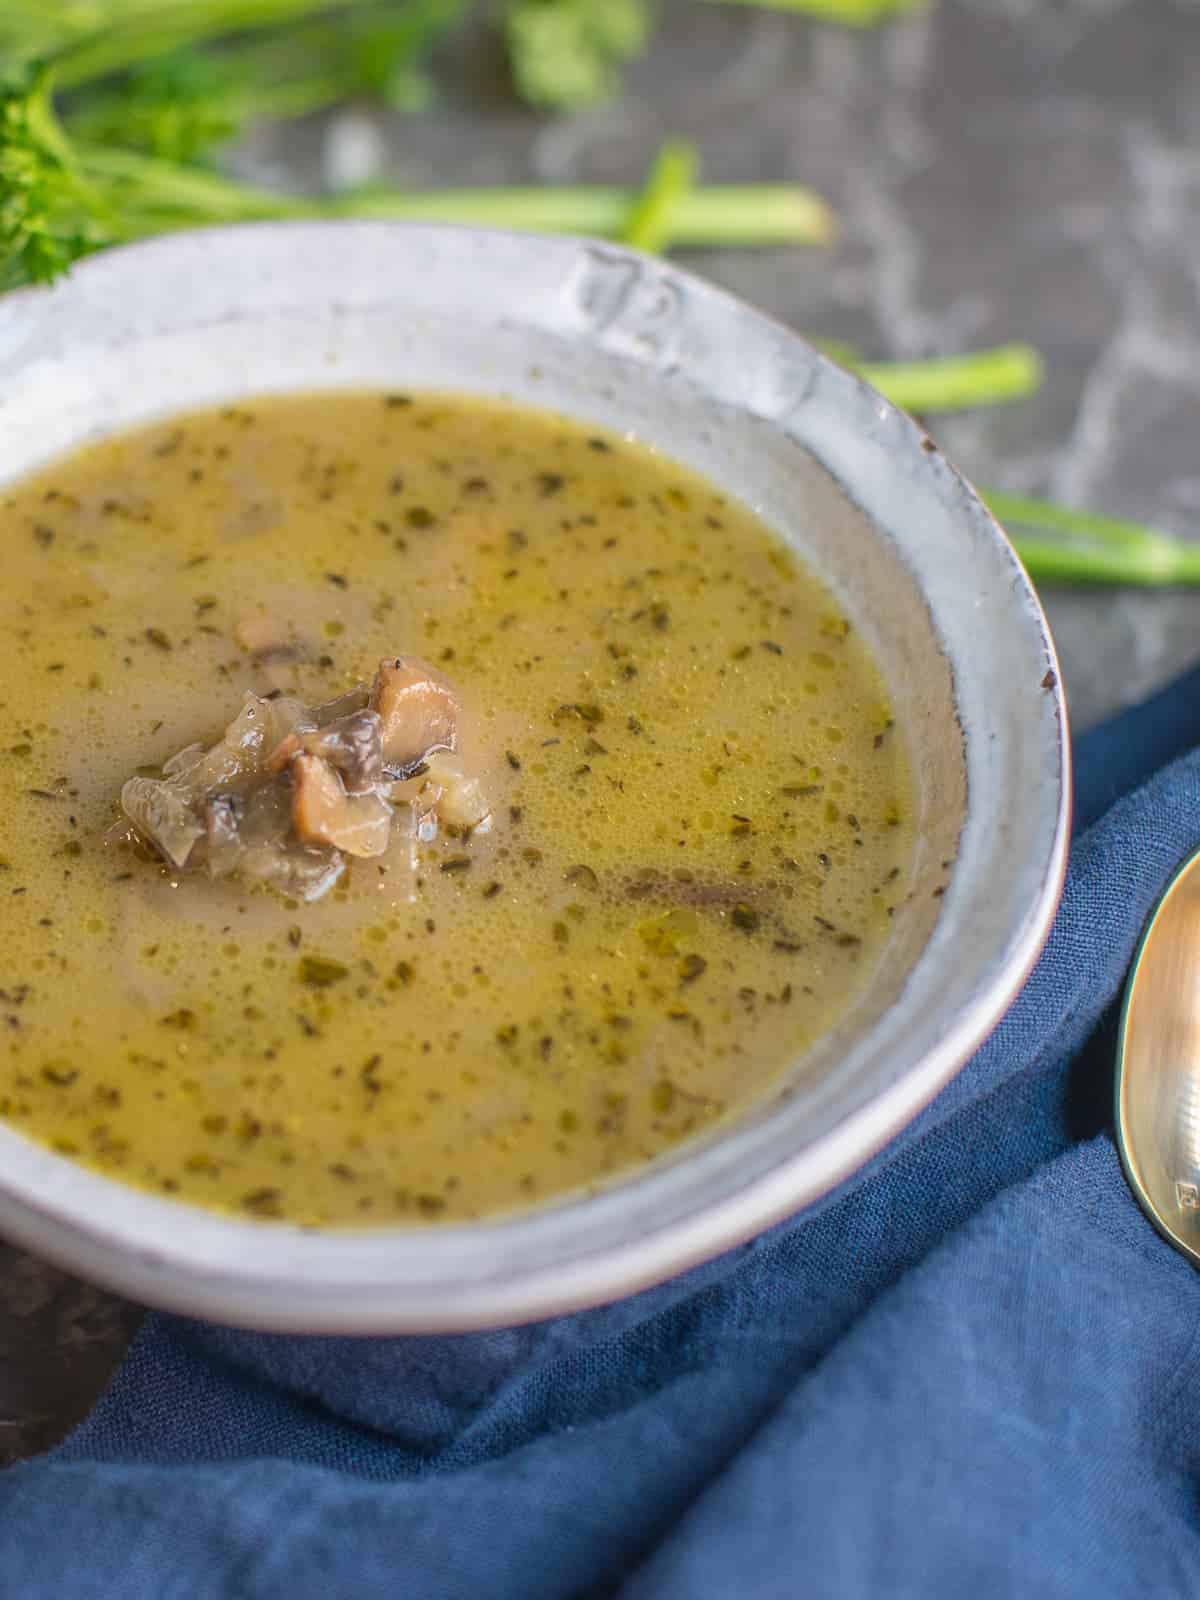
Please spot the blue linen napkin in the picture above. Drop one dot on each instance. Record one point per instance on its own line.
(968, 1372)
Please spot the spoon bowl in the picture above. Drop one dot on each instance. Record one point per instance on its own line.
(1158, 1066)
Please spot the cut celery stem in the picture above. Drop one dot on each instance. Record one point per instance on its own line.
(157, 27)
(853, 13)
(1060, 545)
(717, 214)
(670, 180)
(955, 383)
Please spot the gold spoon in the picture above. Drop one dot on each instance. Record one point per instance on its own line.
(1158, 1066)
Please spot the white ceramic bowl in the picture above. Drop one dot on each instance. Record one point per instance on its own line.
(856, 487)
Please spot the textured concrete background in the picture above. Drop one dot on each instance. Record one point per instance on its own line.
(1005, 169)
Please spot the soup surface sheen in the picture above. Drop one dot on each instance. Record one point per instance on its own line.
(701, 811)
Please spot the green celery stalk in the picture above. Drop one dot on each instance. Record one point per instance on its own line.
(671, 178)
(185, 104)
(1023, 509)
(156, 27)
(146, 189)
(154, 187)
(955, 383)
(854, 13)
(718, 214)
(1060, 545)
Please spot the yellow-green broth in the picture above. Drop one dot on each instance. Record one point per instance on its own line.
(702, 810)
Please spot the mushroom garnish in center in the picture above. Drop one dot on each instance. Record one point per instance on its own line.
(291, 790)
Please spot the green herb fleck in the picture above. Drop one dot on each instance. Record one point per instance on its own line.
(318, 972)
(60, 1073)
(662, 1096)
(263, 1202)
(589, 714)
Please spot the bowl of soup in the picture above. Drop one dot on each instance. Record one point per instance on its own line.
(517, 772)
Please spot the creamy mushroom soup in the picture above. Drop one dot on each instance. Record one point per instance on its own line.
(417, 807)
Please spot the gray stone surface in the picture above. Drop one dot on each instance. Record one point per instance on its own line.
(1005, 169)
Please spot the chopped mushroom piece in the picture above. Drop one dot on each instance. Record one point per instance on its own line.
(324, 812)
(419, 711)
(290, 790)
(249, 833)
(351, 744)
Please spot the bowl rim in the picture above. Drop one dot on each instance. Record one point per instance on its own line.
(277, 1277)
